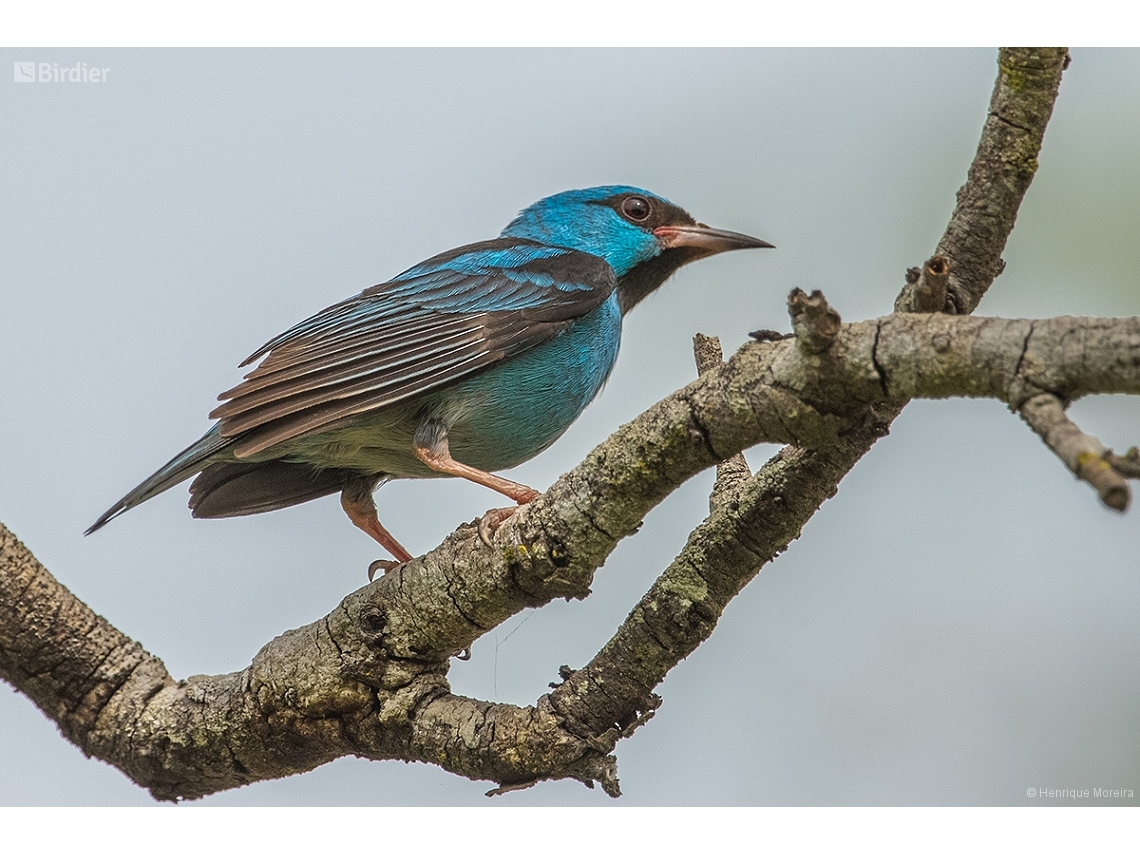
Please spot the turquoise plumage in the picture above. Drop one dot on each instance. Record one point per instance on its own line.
(472, 361)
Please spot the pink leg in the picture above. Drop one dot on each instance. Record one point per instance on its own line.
(361, 510)
(431, 447)
(438, 457)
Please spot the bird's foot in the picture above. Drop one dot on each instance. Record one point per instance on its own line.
(382, 564)
(490, 522)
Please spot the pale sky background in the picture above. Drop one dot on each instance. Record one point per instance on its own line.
(959, 624)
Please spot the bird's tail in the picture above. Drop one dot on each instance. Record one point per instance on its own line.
(184, 464)
(227, 489)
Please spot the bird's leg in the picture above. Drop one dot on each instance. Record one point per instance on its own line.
(356, 499)
(430, 446)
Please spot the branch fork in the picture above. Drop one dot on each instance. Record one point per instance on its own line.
(370, 678)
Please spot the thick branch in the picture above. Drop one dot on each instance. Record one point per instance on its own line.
(987, 195)
(613, 692)
(369, 678)
(1003, 168)
(74, 665)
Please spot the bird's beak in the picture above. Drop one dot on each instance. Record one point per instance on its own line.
(706, 241)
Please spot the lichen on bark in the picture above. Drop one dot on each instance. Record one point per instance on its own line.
(370, 678)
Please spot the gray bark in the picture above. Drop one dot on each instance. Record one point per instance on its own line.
(370, 678)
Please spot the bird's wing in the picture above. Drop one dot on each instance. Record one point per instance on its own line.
(449, 317)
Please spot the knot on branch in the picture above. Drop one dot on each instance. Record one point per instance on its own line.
(542, 567)
(928, 289)
(707, 352)
(815, 323)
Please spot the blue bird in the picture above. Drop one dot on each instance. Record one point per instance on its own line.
(472, 361)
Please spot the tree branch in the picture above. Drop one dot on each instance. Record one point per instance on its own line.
(731, 474)
(1026, 88)
(1003, 168)
(369, 678)
(1083, 454)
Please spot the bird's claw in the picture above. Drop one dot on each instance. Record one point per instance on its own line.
(490, 522)
(381, 564)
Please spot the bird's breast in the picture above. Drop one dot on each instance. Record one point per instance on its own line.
(510, 413)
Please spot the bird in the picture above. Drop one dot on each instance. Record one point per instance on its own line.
(472, 361)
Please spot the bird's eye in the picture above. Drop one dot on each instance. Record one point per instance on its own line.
(636, 208)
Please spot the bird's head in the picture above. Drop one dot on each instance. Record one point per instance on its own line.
(642, 236)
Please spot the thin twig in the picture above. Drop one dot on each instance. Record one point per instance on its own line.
(734, 472)
(1083, 454)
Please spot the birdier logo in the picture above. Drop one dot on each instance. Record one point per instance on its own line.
(51, 72)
